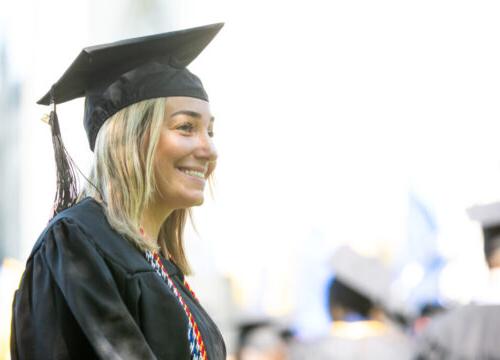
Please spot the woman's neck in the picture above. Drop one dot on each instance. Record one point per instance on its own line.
(153, 218)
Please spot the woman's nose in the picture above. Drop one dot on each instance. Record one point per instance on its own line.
(206, 148)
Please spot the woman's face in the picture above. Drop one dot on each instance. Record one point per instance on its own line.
(185, 155)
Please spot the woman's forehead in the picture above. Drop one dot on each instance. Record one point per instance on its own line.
(186, 105)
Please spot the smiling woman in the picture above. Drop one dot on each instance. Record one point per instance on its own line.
(106, 277)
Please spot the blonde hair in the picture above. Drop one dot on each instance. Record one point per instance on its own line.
(122, 177)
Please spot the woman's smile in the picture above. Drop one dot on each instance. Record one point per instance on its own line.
(198, 174)
(194, 171)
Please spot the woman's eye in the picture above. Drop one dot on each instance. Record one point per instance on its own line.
(211, 133)
(188, 127)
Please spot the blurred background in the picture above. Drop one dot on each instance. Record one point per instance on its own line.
(372, 124)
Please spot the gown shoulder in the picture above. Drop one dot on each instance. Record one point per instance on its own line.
(90, 224)
(68, 304)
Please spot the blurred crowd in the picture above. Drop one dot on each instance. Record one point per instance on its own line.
(367, 324)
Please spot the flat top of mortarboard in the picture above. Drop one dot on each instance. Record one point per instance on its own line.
(487, 214)
(368, 276)
(99, 63)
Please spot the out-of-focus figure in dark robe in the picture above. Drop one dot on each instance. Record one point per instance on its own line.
(361, 328)
(472, 331)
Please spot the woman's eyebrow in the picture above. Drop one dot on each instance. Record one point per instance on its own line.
(190, 113)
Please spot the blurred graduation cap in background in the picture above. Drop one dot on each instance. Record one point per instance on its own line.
(488, 215)
(371, 279)
(359, 295)
(260, 334)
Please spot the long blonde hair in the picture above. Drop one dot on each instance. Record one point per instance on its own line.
(122, 177)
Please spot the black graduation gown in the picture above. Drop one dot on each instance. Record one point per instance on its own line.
(87, 293)
(466, 333)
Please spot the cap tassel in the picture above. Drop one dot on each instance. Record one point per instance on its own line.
(67, 187)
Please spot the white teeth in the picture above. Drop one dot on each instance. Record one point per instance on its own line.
(194, 173)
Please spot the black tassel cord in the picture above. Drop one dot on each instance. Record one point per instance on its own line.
(67, 185)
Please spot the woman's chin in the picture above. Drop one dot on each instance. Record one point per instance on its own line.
(192, 201)
(182, 199)
(197, 202)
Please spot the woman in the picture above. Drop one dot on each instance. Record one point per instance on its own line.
(106, 277)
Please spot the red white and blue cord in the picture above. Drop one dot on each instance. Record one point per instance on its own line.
(196, 344)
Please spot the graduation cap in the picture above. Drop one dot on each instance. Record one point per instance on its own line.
(116, 75)
(488, 216)
(366, 275)
(370, 282)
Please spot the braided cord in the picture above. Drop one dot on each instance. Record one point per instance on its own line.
(196, 344)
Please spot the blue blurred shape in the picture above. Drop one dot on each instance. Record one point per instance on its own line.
(420, 262)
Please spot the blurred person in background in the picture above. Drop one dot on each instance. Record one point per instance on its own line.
(471, 331)
(262, 340)
(106, 277)
(10, 273)
(360, 326)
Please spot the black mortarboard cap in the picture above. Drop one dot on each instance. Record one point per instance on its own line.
(116, 75)
(488, 216)
(113, 76)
